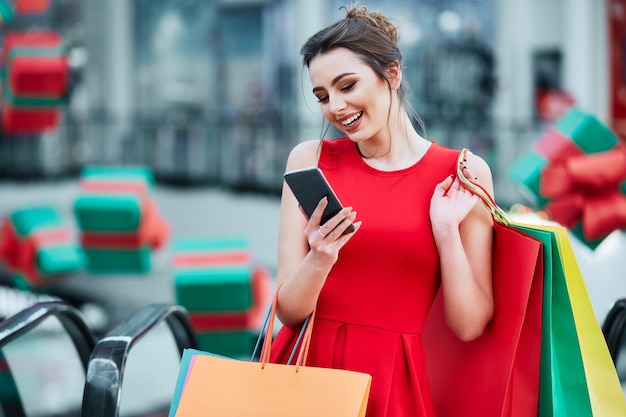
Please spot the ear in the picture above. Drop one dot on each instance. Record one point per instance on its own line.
(394, 74)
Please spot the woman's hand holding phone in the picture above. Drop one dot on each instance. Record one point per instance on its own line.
(310, 187)
(340, 224)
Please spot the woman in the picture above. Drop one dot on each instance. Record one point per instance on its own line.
(416, 227)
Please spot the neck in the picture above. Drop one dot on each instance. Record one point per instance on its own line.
(398, 147)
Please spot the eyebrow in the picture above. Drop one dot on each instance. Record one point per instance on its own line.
(335, 80)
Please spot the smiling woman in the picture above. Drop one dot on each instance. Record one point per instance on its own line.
(417, 229)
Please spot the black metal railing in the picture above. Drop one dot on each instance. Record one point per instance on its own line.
(109, 365)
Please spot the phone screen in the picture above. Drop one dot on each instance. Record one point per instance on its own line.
(309, 186)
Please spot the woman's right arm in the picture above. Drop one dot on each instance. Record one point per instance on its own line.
(305, 257)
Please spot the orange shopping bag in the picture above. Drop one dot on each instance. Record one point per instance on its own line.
(218, 386)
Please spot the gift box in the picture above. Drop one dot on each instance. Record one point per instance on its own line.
(36, 71)
(35, 40)
(248, 318)
(223, 291)
(119, 221)
(31, 6)
(38, 248)
(114, 176)
(192, 254)
(101, 260)
(215, 289)
(108, 212)
(38, 76)
(576, 173)
(22, 121)
(34, 81)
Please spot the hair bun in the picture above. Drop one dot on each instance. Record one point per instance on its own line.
(376, 19)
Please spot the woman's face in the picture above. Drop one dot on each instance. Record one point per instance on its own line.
(352, 97)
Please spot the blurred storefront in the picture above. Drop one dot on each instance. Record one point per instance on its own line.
(213, 92)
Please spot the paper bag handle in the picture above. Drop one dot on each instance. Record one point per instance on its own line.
(305, 336)
(497, 213)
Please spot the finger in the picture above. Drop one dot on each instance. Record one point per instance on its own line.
(340, 221)
(466, 171)
(316, 216)
(443, 187)
(458, 185)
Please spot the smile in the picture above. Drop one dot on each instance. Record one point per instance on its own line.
(351, 120)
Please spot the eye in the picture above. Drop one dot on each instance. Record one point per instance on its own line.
(348, 86)
(322, 99)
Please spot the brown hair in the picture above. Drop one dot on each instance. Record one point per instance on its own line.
(372, 37)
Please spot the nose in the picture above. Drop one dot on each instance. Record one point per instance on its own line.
(336, 104)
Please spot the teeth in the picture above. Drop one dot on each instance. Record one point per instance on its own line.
(352, 119)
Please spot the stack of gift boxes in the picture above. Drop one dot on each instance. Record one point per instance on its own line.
(119, 221)
(37, 248)
(35, 76)
(224, 292)
(576, 172)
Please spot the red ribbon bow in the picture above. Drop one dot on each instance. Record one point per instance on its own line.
(587, 189)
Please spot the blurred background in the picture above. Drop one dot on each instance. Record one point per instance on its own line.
(213, 92)
(210, 96)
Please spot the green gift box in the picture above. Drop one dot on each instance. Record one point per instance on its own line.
(108, 212)
(114, 261)
(27, 220)
(59, 259)
(527, 172)
(586, 131)
(214, 288)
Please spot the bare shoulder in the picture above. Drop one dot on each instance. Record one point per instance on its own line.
(479, 167)
(304, 154)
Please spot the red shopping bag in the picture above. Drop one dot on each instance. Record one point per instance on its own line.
(498, 373)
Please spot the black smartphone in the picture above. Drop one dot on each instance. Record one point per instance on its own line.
(309, 185)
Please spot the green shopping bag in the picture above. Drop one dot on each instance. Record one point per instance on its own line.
(604, 388)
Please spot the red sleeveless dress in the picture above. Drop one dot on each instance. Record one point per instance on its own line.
(372, 308)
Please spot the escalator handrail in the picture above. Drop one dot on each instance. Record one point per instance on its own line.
(70, 317)
(614, 326)
(107, 363)
(29, 318)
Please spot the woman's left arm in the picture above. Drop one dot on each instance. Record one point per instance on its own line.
(463, 231)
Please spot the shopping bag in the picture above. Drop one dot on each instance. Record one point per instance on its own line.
(578, 377)
(186, 361)
(496, 374)
(219, 386)
(563, 388)
(604, 389)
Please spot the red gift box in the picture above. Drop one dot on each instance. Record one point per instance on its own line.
(34, 40)
(18, 121)
(20, 253)
(38, 76)
(586, 189)
(31, 6)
